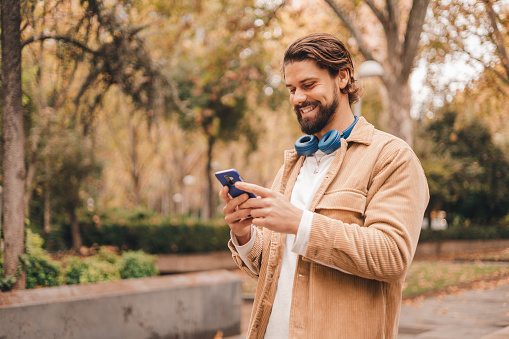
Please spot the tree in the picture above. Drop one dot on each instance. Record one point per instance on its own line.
(475, 31)
(467, 173)
(499, 36)
(71, 157)
(223, 70)
(475, 35)
(97, 47)
(13, 138)
(401, 47)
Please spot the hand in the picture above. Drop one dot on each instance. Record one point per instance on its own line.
(271, 210)
(238, 219)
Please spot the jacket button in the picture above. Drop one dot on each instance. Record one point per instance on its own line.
(270, 275)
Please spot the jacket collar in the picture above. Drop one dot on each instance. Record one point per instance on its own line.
(362, 132)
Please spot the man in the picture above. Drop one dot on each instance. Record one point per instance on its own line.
(331, 243)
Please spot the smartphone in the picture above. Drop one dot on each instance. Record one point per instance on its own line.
(228, 178)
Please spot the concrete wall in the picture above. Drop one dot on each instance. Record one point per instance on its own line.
(195, 305)
(195, 262)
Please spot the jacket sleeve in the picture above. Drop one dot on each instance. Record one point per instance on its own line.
(254, 256)
(382, 248)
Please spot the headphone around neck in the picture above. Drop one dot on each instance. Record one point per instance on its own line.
(331, 141)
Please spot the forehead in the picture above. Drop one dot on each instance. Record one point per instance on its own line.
(299, 71)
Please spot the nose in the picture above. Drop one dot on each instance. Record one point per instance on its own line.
(298, 97)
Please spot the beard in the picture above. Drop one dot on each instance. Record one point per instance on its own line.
(323, 117)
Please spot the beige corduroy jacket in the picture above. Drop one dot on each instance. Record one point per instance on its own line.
(367, 220)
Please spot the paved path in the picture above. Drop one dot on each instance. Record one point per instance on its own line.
(479, 312)
(467, 314)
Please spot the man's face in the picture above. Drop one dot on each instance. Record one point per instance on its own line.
(314, 95)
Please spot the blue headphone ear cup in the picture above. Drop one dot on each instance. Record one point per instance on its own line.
(330, 142)
(306, 145)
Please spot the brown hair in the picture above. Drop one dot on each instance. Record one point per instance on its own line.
(329, 53)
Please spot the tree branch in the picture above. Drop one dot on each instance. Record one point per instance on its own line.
(499, 40)
(352, 28)
(413, 35)
(501, 76)
(392, 11)
(58, 38)
(379, 14)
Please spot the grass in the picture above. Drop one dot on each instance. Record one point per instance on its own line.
(424, 276)
(429, 276)
(499, 255)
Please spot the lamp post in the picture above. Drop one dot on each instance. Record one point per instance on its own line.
(369, 68)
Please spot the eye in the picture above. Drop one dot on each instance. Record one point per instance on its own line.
(309, 85)
(292, 90)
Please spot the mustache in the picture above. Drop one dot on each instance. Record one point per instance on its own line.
(305, 104)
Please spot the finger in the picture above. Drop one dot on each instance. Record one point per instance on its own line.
(223, 194)
(257, 190)
(255, 203)
(233, 203)
(260, 213)
(237, 215)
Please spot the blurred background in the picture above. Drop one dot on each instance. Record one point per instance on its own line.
(129, 107)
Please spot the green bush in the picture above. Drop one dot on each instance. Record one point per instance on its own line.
(73, 269)
(159, 236)
(99, 270)
(6, 283)
(137, 264)
(90, 270)
(474, 232)
(41, 270)
(106, 266)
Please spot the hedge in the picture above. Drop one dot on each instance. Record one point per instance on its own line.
(465, 233)
(158, 235)
(203, 237)
(167, 237)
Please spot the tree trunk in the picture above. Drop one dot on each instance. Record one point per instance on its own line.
(208, 209)
(32, 167)
(401, 52)
(400, 121)
(13, 141)
(47, 210)
(135, 166)
(75, 230)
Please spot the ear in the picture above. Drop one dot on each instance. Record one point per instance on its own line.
(343, 78)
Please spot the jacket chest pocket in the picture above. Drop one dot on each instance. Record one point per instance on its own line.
(345, 205)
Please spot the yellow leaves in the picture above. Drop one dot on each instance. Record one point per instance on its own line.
(228, 100)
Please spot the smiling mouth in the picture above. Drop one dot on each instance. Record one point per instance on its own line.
(307, 109)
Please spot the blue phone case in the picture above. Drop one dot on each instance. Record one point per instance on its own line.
(228, 178)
